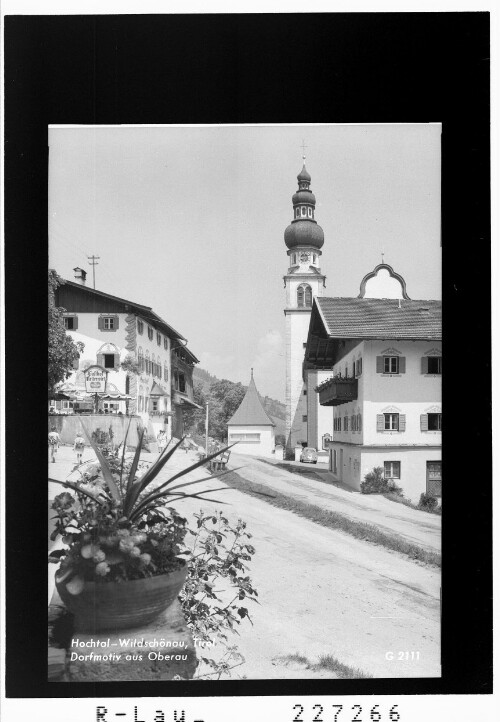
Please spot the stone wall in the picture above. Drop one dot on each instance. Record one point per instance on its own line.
(68, 426)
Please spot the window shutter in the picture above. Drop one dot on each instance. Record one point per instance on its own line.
(360, 366)
(402, 365)
(380, 364)
(100, 359)
(424, 422)
(380, 420)
(359, 422)
(402, 422)
(75, 323)
(117, 323)
(425, 365)
(100, 323)
(117, 361)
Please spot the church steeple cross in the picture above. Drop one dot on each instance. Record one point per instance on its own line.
(382, 256)
(303, 146)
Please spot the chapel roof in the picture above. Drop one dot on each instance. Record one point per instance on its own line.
(250, 412)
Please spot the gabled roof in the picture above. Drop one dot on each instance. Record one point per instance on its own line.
(250, 412)
(381, 318)
(146, 312)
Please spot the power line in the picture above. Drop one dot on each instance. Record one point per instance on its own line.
(93, 263)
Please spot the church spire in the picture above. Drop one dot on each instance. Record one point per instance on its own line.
(304, 232)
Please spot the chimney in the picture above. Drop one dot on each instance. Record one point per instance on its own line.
(80, 275)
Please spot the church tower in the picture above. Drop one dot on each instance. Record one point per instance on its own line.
(304, 281)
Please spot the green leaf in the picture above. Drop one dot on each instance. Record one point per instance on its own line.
(124, 449)
(75, 487)
(148, 476)
(106, 471)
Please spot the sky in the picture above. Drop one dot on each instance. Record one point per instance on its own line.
(190, 221)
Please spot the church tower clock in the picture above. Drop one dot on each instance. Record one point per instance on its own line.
(304, 281)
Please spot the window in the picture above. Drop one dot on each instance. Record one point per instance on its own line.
(302, 211)
(148, 363)
(309, 212)
(252, 438)
(182, 383)
(109, 360)
(70, 323)
(165, 343)
(392, 469)
(154, 403)
(297, 212)
(150, 333)
(431, 422)
(305, 392)
(304, 296)
(158, 338)
(314, 257)
(140, 358)
(359, 367)
(391, 364)
(165, 371)
(391, 422)
(140, 327)
(304, 417)
(434, 478)
(434, 365)
(108, 323)
(346, 423)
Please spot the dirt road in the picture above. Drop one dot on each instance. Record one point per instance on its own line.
(322, 592)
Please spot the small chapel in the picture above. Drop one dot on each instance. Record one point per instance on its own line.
(250, 426)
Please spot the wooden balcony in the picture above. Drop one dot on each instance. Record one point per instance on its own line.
(336, 391)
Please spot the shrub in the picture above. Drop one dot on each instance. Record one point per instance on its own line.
(374, 482)
(393, 488)
(427, 502)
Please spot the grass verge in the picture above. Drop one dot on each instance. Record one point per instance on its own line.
(326, 663)
(333, 520)
(406, 502)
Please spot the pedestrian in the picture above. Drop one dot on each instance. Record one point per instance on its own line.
(54, 441)
(79, 446)
(162, 440)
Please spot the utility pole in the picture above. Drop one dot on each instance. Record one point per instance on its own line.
(206, 433)
(93, 262)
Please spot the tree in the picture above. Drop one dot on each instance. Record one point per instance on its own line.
(224, 398)
(194, 419)
(63, 351)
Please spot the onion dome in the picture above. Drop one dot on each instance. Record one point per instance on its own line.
(303, 230)
(304, 175)
(304, 233)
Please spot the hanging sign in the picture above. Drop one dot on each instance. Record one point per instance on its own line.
(95, 379)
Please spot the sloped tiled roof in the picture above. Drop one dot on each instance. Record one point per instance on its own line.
(381, 318)
(250, 412)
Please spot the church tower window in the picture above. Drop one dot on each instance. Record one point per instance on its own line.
(309, 212)
(304, 296)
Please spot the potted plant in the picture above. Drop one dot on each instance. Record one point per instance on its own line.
(123, 563)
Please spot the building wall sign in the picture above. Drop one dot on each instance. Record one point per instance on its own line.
(95, 380)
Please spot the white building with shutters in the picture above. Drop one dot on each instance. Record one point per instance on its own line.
(383, 391)
(114, 329)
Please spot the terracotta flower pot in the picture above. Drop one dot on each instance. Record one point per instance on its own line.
(122, 605)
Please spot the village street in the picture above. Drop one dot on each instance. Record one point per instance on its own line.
(314, 484)
(321, 592)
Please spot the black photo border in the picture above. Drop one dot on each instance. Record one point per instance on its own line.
(261, 68)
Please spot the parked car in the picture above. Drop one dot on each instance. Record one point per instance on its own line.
(309, 456)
